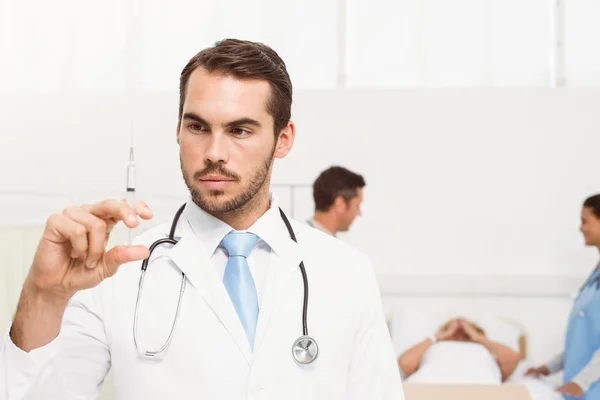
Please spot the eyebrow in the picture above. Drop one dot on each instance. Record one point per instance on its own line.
(237, 122)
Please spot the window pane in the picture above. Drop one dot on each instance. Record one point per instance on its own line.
(64, 45)
(33, 47)
(582, 41)
(382, 48)
(98, 51)
(454, 43)
(521, 42)
(303, 33)
(449, 43)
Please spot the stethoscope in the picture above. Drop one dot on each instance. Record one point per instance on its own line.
(305, 349)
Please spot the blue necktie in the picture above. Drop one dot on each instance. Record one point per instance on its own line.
(239, 282)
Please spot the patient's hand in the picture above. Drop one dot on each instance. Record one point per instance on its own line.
(471, 333)
(449, 332)
(543, 370)
(571, 389)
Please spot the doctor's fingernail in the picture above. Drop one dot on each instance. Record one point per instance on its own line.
(131, 218)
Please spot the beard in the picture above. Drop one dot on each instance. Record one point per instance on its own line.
(213, 202)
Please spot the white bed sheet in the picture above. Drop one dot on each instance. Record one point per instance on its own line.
(538, 388)
(469, 363)
(451, 362)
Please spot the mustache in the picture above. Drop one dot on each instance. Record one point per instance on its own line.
(215, 168)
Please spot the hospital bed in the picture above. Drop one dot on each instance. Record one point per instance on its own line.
(465, 392)
(409, 325)
(525, 312)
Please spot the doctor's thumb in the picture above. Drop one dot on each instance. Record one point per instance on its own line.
(119, 255)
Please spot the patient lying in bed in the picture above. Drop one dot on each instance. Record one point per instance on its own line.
(459, 352)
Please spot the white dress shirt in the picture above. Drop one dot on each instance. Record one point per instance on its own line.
(214, 230)
(315, 224)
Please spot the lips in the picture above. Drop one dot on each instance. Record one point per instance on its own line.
(215, 178)
(216, 182)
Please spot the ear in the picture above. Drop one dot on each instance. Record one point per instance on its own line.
(285, 140)
(178, 130)
(339, 203)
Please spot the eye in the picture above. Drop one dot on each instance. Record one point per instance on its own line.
(240, 132)
(195, 127)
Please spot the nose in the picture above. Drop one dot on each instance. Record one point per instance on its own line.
(217, 149)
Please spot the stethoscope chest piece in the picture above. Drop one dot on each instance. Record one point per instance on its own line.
(305, 350)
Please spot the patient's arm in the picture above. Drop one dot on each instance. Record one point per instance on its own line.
(507, 358)
(410, 360)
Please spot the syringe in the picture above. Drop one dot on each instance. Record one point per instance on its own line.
(131, 184)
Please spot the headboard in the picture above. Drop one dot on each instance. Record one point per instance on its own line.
(522, 337)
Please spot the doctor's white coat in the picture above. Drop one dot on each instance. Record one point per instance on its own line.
(209, 357)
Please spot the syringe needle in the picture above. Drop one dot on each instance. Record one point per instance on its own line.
(131, 186)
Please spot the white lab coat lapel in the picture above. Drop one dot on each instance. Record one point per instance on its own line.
(282, 266)
(192, 258)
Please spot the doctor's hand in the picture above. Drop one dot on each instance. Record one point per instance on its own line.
(571, 389)
(543, 370)
(72, 254)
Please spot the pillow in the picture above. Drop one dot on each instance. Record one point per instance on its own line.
(500, 330)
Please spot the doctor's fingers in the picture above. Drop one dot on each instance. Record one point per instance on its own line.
(96, 230)
(142, 209)
(532, 371)
(62, 229)
(119, 255)
(117, 210)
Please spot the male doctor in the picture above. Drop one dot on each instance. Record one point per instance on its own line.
(241, 310)
(338, 195)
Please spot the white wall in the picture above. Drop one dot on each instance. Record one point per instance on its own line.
(459, 181)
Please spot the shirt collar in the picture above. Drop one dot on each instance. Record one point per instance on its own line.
(210, 230)
(320, 227)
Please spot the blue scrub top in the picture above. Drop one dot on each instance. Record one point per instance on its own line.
(583, 334)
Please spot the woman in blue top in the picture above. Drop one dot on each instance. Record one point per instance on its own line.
(581, 357)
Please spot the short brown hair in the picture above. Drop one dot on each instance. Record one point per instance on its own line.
(243, 59)
(593, 203)
(333, 182)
